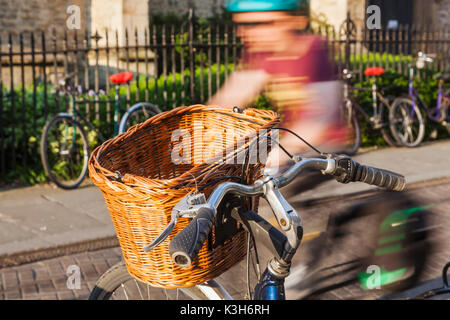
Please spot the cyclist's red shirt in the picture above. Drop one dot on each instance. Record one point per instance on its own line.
(291, 74)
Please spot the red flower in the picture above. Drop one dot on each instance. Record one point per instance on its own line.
(374, 71)
(120, 78)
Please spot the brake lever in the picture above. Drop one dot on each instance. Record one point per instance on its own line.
(162, 236)
(186, 207)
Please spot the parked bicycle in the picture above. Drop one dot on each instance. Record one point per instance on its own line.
(65, 142)
(378, 120)
(227, 202)
(388, 230)
(408, 125)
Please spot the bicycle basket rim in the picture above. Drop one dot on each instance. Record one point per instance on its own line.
(197, 170)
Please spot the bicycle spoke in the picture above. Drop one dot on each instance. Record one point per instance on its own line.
(139, 289)
(125, 291)
(410, 134)
(407, 123)
(167, 296)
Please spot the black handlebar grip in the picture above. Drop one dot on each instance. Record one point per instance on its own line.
(184, 247)
(379, 177)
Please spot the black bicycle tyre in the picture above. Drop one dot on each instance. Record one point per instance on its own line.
(149, 108)
(418, 140)
(385, 130)
(113, 279)
(109, 282)
(44, 156)
(367, 216)
(388, 139)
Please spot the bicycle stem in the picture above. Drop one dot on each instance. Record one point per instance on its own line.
(185, 245)
(287, 217)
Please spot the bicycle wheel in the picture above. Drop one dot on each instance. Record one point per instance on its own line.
(385, 129)
(350, 121)
(118, 284)
(136, 114)
(387, 233)
(65, 151)
(406, 122)
(401, 246)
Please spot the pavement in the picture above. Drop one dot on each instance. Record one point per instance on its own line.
(44, 222)
(49, 278)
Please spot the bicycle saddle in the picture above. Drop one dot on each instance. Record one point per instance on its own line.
(374, 71)
(444, 76)
(119, 78)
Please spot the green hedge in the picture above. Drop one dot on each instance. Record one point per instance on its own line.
(22, 129)
(27, 133)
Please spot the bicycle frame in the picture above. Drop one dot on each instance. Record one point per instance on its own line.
(75, 113)
(433, 114)
(375, 120)
(283, 246)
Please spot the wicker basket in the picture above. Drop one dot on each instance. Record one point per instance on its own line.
(141, 183)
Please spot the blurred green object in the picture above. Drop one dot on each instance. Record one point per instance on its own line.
(264, 5)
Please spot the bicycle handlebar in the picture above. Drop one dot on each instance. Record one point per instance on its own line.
(379, 177)
(185, 246)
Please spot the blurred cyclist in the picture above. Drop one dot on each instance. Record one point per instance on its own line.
(295, 73)
(292, 69)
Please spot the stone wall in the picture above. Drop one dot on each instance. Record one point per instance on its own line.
(434, 13)
(203, 8)
(443, 13)
(18, 16)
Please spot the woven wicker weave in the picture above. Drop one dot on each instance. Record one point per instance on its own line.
(141, 183)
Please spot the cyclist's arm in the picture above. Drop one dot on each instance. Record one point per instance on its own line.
(313, 119)
(241, 88)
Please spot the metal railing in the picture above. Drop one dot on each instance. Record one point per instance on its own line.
(173, 64)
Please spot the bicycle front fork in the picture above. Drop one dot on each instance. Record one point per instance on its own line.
(282, 245)
(269, 287)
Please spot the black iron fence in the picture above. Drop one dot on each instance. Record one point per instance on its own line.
(173, 65)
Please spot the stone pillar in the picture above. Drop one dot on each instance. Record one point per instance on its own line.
(119, 15)
(357, 9)
(332, 12)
